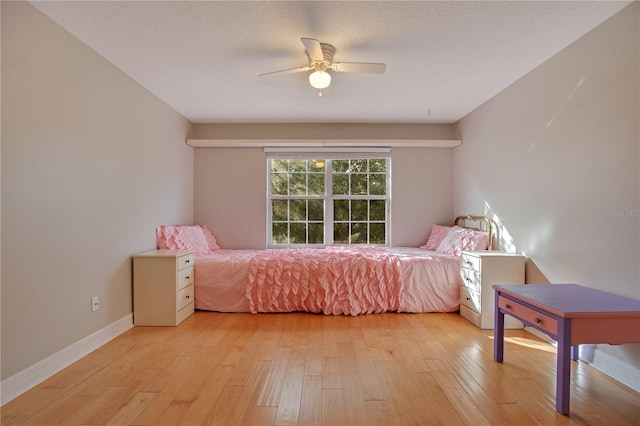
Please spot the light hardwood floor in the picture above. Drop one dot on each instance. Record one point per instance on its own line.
(306, 369)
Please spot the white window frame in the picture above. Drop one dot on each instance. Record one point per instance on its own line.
(328, 198)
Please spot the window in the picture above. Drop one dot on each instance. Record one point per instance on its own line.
(328, 199)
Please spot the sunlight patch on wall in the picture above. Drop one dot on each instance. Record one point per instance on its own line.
(542, 234)
(505, 241)
(562, 107)
(575, 89)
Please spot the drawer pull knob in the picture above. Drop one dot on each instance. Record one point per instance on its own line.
(187, 261)
(468, 298)
(538, 320)
(188, 297)
(469, 263)
(508, 306)
(186, 278)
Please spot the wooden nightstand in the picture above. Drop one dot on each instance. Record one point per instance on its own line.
(479, 271)
(162, 287)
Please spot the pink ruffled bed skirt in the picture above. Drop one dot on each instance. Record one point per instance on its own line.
(334, 281)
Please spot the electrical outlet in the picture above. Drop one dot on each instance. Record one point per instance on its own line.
(95, 303)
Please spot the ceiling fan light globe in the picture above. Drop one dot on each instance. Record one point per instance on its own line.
(320, 79)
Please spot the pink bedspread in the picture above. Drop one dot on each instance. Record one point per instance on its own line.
(334, 281)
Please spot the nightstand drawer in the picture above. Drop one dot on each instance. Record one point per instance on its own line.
(185, 278)
(185, 261)
(470, 299)
(534, 317)
(470, 262)
(185, 296)
(470, 279)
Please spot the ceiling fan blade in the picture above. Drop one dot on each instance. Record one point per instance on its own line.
(289, 71)
(314, 50)
(366, 67)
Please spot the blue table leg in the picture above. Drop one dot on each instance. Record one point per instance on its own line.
(498, 335)
(563, 360)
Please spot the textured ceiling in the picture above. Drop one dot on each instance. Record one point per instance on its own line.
(443, 59)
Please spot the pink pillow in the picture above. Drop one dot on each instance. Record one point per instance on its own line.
(438, 233)
(182, 237)
(479, 241)
(211, 240)
(165, 238)
(459, 239)
(456, 241)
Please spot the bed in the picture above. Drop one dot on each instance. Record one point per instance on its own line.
(335, 280)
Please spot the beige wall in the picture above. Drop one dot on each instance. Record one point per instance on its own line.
(230, 194)
(555, 159)
(91, 164)
(422, 195)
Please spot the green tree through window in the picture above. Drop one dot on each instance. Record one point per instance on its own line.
(325, 201)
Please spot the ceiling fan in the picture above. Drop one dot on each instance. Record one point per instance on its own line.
(321, 60)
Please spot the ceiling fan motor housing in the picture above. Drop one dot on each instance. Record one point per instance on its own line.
(327, 52)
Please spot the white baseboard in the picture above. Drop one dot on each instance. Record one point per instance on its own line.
(616, 369)
(14, 386)
(612, 367)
